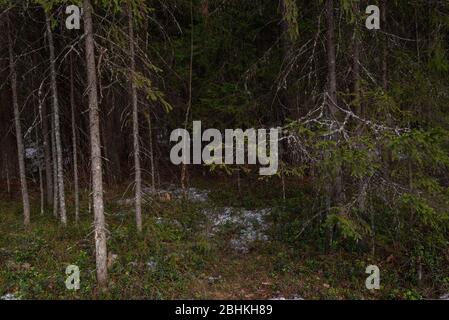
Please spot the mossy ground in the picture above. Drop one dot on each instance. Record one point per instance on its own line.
(179, 260)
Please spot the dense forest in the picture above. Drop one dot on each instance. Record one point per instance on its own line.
(91, 92)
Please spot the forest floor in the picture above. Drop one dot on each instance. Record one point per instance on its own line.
(212, 244)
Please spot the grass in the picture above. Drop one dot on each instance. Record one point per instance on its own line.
(174, 258)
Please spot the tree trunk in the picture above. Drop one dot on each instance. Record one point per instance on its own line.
(8, 182)
(286, 44)
(54, 89)
(184, 171)
(39, 165)
(334, 188)
(47, 151)
(332, 89)
(138, 172)
(331, 58)
(150, 141)
(54, 167)
(384, 45)
(96, 161)
(18, 127)
(356, 61)
(74, 144)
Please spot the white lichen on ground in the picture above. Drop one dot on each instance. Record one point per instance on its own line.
(249, 225)
(9, 296)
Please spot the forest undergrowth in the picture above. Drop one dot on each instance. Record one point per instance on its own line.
(182, 253)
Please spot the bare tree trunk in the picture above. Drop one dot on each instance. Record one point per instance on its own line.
(74, 145)
(384, 46)
(332, 85)
(39, 165)
(334, 187)
(55, 168)
(18, 127)
(286, 42)
(184, 173)
(137, 169)
(47, 151)
(41, 189)
(331, 58)
(150, 141)
(357, 96)
(386, 154)
(356, 61)
(96, 165)
(8, 182)
(54, 89)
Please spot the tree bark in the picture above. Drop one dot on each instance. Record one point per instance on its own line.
(96, 161)
(41, 181)
(286, 44)
(184, 171)
(332, 90)
(334, 187)
(55, 102)
(356, 61)
(74, 144)
(54, 167)
(331, 58)
(384, 45)
(47, 151)
(150, 141)
(18, 127)
(8, 183)
(137, 169)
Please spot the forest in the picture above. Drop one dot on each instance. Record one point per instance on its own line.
(328, 123)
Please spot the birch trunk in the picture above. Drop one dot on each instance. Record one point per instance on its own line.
(54, 89)
(18, 127)
(96, 161)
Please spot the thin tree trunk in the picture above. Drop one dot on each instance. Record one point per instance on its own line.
(356, 61)
(150, 141)
(8, 182)
(54, 89)
(18, 127)
(96, 165)
(55, 168)
(331, 58)
(39, 164)
(41, 188)
(334, 188)
(286, 44)
(47, 151)
(137, 169)
(332, 87)
(184, 173)
(74, 144)
(384, 46)
(357, 96)
(386, 154)
(41, 182)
